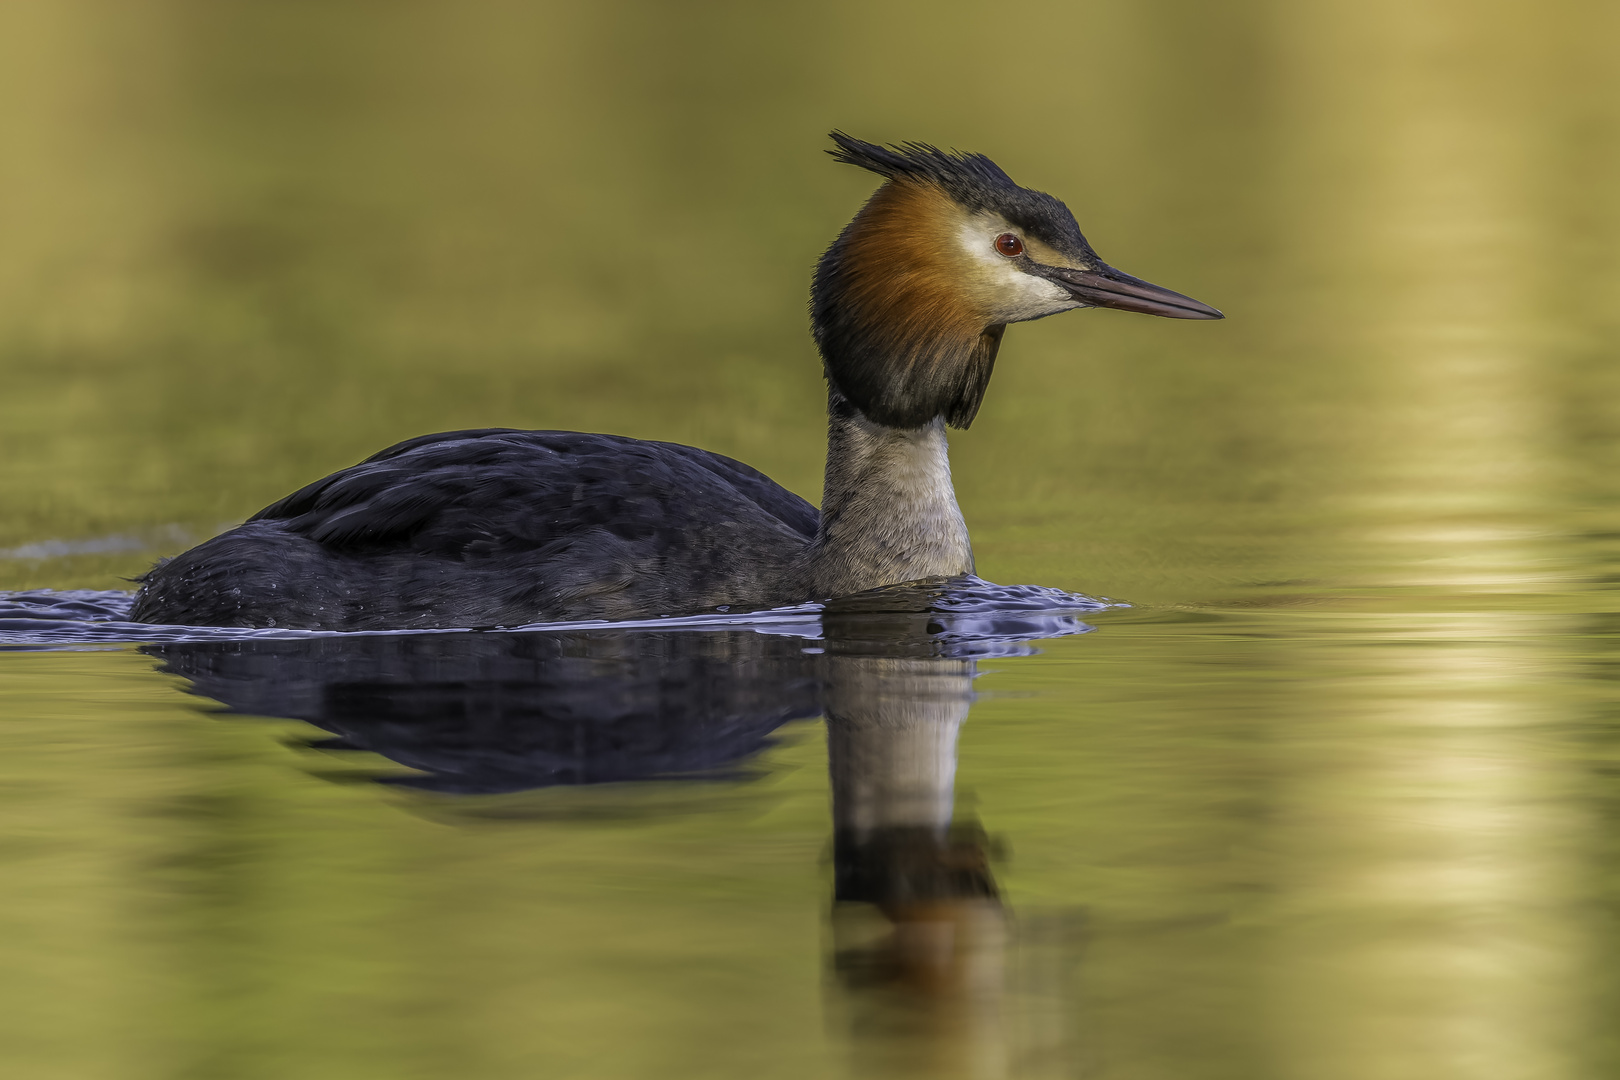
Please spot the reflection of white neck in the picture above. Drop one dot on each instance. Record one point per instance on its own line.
(891, 739)
(888, 511)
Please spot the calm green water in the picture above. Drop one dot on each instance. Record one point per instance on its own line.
(1334, 799)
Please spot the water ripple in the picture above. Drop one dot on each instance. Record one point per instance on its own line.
(956, 616)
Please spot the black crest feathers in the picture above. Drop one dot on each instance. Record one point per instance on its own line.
(973, 180)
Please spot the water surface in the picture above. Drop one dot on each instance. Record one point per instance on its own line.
(1332, 798)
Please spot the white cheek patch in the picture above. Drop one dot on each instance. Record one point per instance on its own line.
(1013, 295)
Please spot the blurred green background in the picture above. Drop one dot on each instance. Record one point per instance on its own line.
(248, 244)
(1334, 797)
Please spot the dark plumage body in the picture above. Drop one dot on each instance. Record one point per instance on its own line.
(499, 528)
(504, 528)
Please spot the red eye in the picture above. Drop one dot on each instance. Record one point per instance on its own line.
(1009, 245)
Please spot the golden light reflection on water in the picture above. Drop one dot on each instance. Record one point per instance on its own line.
(1431, 920)
(1331, 802)
(1433, 902)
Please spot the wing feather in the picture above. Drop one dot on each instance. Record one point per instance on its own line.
(499, 486)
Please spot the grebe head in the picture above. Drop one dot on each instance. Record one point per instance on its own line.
(909, 303)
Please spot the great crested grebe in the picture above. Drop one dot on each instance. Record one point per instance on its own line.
(501, 528)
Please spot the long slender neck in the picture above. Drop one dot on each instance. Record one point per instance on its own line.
(888, 511)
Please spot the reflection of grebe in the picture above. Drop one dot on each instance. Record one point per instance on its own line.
(496, 527)
(918, 932)
(926, 969)
(891, 748)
